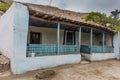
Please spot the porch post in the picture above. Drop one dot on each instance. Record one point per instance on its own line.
(112, 42)
(91, 34)
(79, 38)
(58, 38)
(103, 40)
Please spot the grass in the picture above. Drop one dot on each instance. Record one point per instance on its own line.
(45, 74)
(4, 6)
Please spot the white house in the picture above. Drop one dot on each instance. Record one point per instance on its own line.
(37, 36)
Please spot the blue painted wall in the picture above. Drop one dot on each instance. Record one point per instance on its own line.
(21, 20)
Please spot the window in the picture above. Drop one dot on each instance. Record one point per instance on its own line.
(35, 38)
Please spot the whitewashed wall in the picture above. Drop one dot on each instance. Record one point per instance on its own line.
(21, 22)
(19, 62)
(33, 63)
(85, 39)
(49, 35)
(108, 39)
(6, 33)
(117, 45)
(99, 56)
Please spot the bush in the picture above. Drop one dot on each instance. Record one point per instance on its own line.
(4, 6)
(45, 74)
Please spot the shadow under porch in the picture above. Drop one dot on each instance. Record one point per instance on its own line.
(96, 41)
(98, 45)
(47, 38)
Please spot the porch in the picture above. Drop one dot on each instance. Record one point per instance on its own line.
(47, 38)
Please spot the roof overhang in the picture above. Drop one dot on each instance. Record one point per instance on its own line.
(42, 16)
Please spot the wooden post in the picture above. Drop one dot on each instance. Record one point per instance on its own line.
(91, 38)
(103, 40)
(58, 38)
(79, 38)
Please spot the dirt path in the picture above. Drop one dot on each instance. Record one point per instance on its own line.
(104, 70)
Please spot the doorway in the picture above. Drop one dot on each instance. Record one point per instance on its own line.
(35, 38)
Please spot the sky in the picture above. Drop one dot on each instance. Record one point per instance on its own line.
(103, 6)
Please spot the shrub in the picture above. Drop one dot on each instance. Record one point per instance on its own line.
(4, 6)
(45, 74)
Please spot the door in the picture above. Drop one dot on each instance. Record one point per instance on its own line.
(70, 38)
(35, 38)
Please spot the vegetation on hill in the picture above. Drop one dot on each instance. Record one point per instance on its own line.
(4, 6)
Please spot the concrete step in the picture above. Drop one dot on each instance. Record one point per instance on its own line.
(83, 58)
(85, 62)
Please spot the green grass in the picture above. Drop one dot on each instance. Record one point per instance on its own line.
(45, 74)
(5, 6)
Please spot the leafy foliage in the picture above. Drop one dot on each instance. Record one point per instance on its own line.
(94, 17)
(4, 6)
(102, 19)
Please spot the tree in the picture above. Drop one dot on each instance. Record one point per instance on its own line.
(96, 17)
(115, 14)
(102, 19)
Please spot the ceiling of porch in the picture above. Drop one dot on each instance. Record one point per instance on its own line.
(37, 23)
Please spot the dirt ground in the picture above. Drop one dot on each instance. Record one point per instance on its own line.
(104, 70)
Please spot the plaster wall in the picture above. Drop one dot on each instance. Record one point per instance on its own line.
(99, 56)
(85, 39)
(20, 63)
(6, 32)
(116, 40)
(49, 35)
(42, 62)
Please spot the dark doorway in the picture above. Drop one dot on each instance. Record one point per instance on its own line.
(35, 38)
(70, 38)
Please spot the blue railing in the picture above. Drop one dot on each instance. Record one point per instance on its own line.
(96, 49)
(100, 49)
(109, 49)
(85, 49)
(68, 49)
(51, 49)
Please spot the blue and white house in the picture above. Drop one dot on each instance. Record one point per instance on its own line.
(37, 36)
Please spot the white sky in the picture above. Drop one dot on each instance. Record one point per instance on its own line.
(105, 6)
